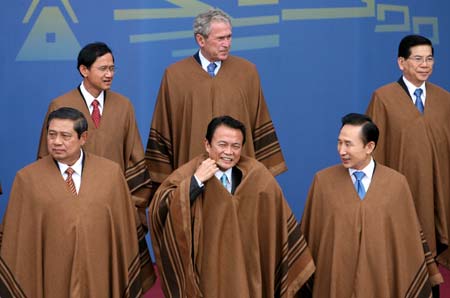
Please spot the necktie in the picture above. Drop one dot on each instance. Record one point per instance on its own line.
(419, 103)
(69, 181)
(96, 113)
(224, 180)
(211, 67)
(358, 184)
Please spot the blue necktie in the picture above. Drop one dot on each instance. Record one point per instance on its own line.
(224, 180)
(419, 104)
(358, 184)
(211, 67)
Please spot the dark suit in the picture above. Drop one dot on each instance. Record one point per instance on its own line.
(196, 190)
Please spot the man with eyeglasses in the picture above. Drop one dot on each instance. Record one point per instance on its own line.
(113, 131)
(413, 116)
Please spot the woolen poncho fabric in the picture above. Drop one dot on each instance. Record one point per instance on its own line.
(368, 248)
(116, 139)
(187, 101)
(243, 245)
(418, 146)
(60, 245)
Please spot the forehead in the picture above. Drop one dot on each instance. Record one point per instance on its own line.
(225, 133)
(350, 133)
(421, 50)
(105, 59)
(65, 125)
(218, 27)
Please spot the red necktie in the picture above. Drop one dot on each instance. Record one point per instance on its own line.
(96, 113)
(69, 181)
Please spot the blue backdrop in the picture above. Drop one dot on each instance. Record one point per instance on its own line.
(318, 60)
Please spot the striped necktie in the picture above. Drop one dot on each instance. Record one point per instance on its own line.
(70, 182)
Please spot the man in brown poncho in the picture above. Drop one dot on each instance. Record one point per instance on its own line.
(362, 227)
(413, 117)
(221, 227)
(205, 85)
(113, 132)
(70, 229)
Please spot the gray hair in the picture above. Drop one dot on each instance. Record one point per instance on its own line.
(202, 23)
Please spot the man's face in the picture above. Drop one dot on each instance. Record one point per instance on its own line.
(218, 43)
(100, 75)
(418, 67)
(354, 154)
(225, 147)
(63, 142)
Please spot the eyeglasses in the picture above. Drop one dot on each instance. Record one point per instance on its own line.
(420, 59)
(106, 68)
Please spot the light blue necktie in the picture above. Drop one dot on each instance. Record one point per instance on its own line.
(419, 104)
(224, 180)
(358, 184)
(211, 67)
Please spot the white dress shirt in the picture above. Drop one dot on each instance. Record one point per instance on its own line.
(89, 99)
(77, 168)
(412, 89)
(205, 62)
(368, 171)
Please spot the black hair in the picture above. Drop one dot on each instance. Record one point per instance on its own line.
(226, 121)
(369, 131)
(80, 124)
(409, 41)
(89, 54)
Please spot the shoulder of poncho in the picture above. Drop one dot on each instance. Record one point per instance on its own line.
(35, 166)
(331, 170)
(437, 88)
(101, 162)
(72, 93)
(388, 87)
(387, 171)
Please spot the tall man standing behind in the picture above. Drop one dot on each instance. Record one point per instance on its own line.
(413, 116)
(70, 229)
(113, 132)
(203, 86)
(362, 227)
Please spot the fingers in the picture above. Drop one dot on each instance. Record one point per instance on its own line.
(206, 170)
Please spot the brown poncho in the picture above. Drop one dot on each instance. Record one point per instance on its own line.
(243, 245)
(187, 101)
(418, 146)
(116, 139)
(56, 244)
(367, 248)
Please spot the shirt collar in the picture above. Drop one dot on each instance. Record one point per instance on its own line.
(219, 174)
(368, 170)
(205, 62)
(89, 98)
(412, 88)
(77, 166)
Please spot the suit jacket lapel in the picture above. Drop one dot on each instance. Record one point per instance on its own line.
(236, 177)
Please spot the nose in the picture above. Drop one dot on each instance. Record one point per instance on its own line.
(226, 42)
(228, 150)
(57, 140)
(341, 150)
